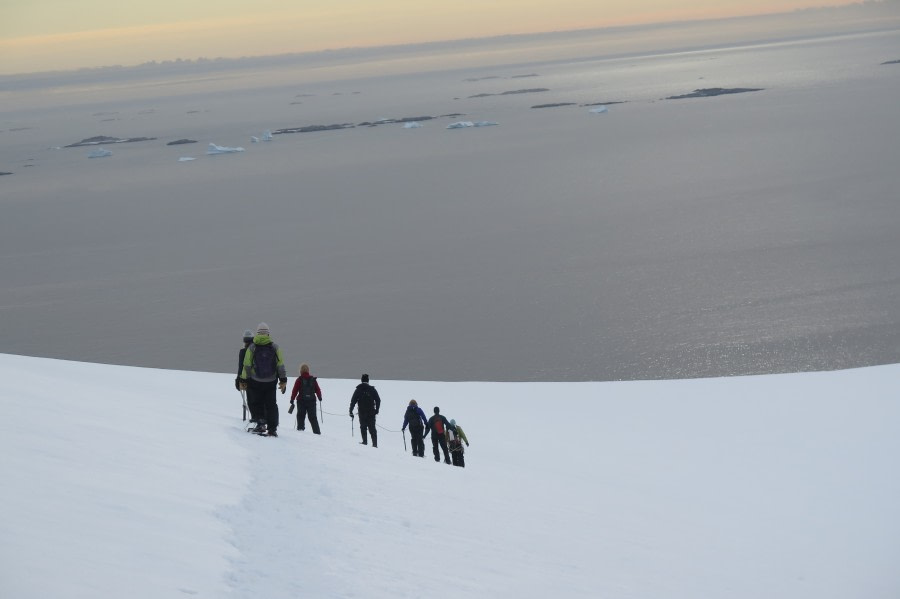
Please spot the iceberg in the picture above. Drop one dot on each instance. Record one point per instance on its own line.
(214, 149)
(599, 110)
(412, 125)
(267, 135)
(254, 139)
(486, 123)
(186, 159)
(99, 153)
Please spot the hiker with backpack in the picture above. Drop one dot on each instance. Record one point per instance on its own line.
(415, 419)
(369, 403)
(306, 390)
(455, 438)
(263, 370)
(249, 404)
(437, 425)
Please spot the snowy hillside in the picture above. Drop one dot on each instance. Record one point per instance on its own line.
(139, 483)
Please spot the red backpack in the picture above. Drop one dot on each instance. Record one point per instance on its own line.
(439, 425)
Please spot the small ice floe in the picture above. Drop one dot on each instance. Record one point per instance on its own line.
(266, 136)
(599, 110)
(467, 124)
(214, 149)
(99, 153)
(186, 159)
(412, 125)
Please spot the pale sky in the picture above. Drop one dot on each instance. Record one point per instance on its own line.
(42, 35)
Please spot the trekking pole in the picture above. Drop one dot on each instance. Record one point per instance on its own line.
(404, 440)
(244, 400)
(351, 424)
(321, 412)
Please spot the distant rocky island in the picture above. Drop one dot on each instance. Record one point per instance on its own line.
(558, 104)
(338, 126)
(472, 79)
(180, 142)
(312, 128)
(892, 62)
(715, 91)
(1, 174)
(103, 139)
(406, 119)
(533, 90)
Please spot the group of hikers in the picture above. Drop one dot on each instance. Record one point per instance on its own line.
(261, 370)
(449, 436)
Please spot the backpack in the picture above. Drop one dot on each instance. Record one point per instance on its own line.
(365, 397)
(439, 425)
(453, 439)
(415, 422)
(265, 361)
(308, 388)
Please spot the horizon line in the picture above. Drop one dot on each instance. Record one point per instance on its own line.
(435, 43)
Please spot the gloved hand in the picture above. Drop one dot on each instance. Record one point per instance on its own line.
(351, 414)
(376, 412)
(467, 443)
(242, 385)
(237, 383)
(283, 386)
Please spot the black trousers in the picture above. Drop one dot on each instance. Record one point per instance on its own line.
(253, 405)
(367, 423)
(264, 394)
(418, 442)
(456, 454)
(307, 408)
(439, 439)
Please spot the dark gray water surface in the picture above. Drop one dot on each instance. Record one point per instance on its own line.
(755, 233)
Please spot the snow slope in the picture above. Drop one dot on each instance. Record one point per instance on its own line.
(140, 483)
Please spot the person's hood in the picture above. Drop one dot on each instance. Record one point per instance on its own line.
(262, 340)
